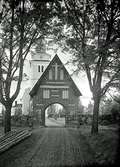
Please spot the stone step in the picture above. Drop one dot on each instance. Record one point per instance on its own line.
(12, 138)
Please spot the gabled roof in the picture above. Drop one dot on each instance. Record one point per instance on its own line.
(36, 86)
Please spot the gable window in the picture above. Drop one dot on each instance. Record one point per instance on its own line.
(61, 75)
(38, 68)
(42, 68)
(46, 94)
(65, 94)
(50, 74)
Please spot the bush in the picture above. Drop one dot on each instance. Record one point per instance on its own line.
(105, 122)
(105, 119)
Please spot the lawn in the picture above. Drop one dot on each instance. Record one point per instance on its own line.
(104, 144)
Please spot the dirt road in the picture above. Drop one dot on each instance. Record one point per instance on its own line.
(51, 122)
(49, 147)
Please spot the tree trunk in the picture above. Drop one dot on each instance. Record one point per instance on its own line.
(7, 118)
(94, 129)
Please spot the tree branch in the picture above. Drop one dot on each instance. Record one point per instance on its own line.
(105, 88)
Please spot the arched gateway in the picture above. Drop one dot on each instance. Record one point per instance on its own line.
(55, 86)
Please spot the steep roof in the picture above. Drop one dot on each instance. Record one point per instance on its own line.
(36, 86)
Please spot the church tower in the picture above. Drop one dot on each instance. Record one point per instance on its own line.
(38, 63)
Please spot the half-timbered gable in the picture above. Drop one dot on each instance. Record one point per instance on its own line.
(55, 86)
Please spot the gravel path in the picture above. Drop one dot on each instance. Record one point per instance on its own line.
(49, 147)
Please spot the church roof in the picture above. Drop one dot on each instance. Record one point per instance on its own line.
(36, 86)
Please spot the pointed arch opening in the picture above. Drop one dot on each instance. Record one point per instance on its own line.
(55, 115)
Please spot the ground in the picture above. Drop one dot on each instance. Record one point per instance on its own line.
(58, 147)
(60, 122)
(105, 144)
(49, 147)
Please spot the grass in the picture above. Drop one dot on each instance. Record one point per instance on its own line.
(104, 144)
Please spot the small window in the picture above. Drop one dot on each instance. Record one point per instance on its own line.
(42, 68)
(46, 94)
(38, 68)
(65, 94)
(50, 74)
(61, 74)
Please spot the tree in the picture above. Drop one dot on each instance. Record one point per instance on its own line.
(93, 38)
(23, 23)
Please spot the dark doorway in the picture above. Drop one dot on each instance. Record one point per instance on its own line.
(55, 115)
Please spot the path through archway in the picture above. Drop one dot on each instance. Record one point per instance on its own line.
(55, 115)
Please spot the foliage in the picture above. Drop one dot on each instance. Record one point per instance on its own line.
(92, 35)
(108, 106)
(109, 112)
(56, 110)
(23, 23)
(90, 28)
